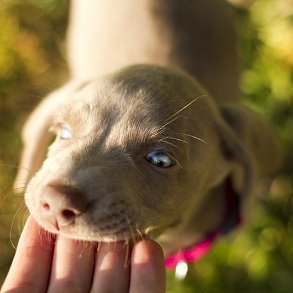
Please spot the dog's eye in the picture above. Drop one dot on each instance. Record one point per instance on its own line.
(65, 132)
(160, 159)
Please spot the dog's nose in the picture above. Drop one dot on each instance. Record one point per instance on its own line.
(60, 205)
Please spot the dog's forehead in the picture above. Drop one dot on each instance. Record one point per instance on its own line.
(141, 86)
(134, 106)
(102, 100)
(103, 112)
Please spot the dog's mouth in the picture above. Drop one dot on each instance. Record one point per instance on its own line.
(61, 211)
(118, 229)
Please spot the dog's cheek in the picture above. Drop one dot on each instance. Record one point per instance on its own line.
(165, 195)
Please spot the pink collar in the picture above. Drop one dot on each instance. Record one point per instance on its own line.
(231, 220)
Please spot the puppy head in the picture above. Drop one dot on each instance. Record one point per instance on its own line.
(133, 152)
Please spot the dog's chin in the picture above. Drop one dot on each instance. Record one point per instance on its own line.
(106, 236)
(94, 234)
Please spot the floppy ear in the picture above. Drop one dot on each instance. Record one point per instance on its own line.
(241, 169)
(36, 136)
(248, 140)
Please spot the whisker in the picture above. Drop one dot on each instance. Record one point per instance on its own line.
(167, 142)
(127, 254)
(24, 217)
(178, 139)
(192, 136)
(130, 230)
(98, 246)
(6, 195)
(13, 223)
(140, 234)
(149, 231)
(47, 236)
(186, 106)
(125, 238)
(43, 235)
(167, 123)
(175, 116)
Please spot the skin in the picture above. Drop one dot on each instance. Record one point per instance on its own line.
(45, 264)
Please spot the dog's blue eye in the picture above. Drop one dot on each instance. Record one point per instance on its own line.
(160, 159)
(65, 132)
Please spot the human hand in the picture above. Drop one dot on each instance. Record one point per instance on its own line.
(44, 264)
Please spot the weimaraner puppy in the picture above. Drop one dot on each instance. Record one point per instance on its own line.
(151, 136)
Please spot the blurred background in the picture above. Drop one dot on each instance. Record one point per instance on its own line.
(259, 258)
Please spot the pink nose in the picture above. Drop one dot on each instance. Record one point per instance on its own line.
(60, 205)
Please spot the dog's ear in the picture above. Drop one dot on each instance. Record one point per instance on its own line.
(36, 136)
(247, 140)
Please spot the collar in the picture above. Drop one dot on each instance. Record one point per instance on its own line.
(231, 220)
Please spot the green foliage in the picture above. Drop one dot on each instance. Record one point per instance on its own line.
(31, 65)
(257, 259)
(266, 31)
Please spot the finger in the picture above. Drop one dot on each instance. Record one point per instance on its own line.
(147, 268)
(112, 268)
(30, 269)
(73, 266)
